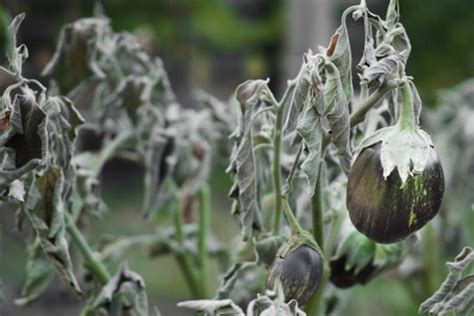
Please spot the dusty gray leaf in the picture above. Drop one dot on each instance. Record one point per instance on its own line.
(299, 95)
(23, 141)
(456, 294)
(213, 307)
(127, 283)
(310, 129)
(16, 191)
(338, 116)
(45, 209)
(75, 58)
(339, 53)
(242, 163)
(39, 273)
(16, 55)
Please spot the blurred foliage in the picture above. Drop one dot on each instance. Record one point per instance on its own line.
(180, 24)
(442, 42)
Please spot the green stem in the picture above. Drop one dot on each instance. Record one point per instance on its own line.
(183, 260)
(359, 115)
(95, 265)
(317, 212)
(407, 120)
(276, 170)
(430, 259)
(314, 306)
(292, 220)
(204, 227)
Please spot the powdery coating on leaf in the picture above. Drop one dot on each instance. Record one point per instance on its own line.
(310, 129)
(124, 282)
(45, 208)
(338, 116)
(242, 163)
(39, 273)
(213, 307)
(455, 294)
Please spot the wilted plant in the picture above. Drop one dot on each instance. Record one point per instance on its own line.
(354, 174)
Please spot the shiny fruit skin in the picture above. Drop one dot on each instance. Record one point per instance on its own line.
(300, 273)
(383, 209)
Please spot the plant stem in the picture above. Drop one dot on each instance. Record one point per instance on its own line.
(276, 170)
(204, 227)
(95, 265)
(407, 120)
(359, 115)
(430, 259)
(183, 260)
(317, 212)
(313, 307)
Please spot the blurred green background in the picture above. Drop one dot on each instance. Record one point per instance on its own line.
(215, 45)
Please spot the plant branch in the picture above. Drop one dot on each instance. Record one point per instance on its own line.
(95, 265)
(314, 305)
(204, 227)
(183, 260)
(293, 168)
(276, 168)
(359, 115)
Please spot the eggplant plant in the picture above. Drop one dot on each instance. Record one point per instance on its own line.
(330, 186)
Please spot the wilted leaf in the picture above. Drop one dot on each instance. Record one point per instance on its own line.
(45, 208)
(39, 273)
(338, 116)
(242, 162)
(23, 143)
(456, 294)
(340, 54)
(213, 307)
(16, 55)
(75, 58)
(310, 128)
(125, 283)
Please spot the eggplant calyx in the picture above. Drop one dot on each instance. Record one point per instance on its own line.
(407, 151)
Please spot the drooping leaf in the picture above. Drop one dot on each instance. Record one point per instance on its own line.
(310, 129)
(456, 294)
(242, 163)
(75, 58)
(45, 208)
(23, 141)
(339, 53)
(39, 273)
(213, 307)
(338, 116)
(125, 283)
(16, 55)
(299, 95)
